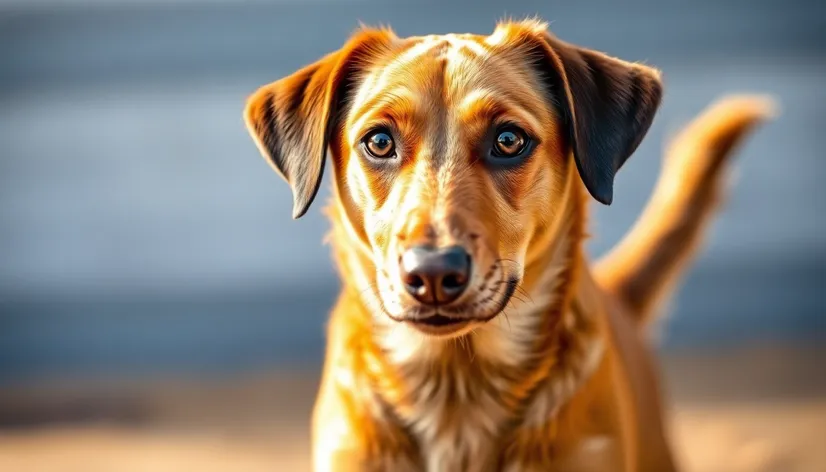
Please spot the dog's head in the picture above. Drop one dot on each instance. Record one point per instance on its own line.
(453, 154)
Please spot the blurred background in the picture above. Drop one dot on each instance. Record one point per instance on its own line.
(160, 310)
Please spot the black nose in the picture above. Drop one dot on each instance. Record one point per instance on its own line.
(435, 276)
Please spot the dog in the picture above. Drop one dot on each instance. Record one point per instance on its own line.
(472, 333)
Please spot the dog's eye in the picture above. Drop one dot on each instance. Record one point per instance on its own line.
(510, 142)
(379, 144)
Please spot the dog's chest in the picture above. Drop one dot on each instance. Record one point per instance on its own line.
(456, 421)
(460, 425)
(463, 411)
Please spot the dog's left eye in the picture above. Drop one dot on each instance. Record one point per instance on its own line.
(510, 142)
(379, 144)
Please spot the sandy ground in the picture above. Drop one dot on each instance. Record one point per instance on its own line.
(775, 438)
(750, 412)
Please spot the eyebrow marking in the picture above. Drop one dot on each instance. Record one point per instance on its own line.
(398, 98)
(476, 98)
(427, 44)
(488, 100)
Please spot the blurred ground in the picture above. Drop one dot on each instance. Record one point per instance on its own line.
(141, 231)
(782, 437)
(754, 410)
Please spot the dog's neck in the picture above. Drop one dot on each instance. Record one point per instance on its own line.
(522, 365)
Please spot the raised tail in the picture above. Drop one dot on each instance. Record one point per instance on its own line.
(643, 269)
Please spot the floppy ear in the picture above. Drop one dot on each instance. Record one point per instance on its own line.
(291, 120)
(607, 104)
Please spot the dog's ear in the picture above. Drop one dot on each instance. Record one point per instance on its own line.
(291, 120)
(607, 104)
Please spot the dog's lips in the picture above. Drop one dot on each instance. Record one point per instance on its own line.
(439, 324)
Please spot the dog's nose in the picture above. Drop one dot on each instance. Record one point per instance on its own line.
(435, 276)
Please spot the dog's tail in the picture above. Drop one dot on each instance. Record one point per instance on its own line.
(643, 268)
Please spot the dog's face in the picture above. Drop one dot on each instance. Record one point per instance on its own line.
(453, 155)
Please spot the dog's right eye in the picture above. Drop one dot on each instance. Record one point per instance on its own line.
(379, 144)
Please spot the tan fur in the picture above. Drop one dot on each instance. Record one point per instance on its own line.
(547, 369)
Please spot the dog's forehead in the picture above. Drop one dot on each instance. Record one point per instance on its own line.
(442, 70)
(426, 62)
(446, 46)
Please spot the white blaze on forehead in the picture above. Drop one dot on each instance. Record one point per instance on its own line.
(458, 44)
(447, 44)
(422, 48)
(475, 46)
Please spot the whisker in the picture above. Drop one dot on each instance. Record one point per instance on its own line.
(524, 292)
(516, 263)
(471, 351)
(514, 296)
(432, 358)
(463, 343)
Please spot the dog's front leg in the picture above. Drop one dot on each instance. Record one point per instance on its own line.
(596, 454)
(348, 436)
(357, 460)
(331, 457)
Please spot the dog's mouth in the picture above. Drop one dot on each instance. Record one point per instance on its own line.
(439, 324)
(456, 320)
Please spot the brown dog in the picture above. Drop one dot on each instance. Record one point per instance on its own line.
(471, 333)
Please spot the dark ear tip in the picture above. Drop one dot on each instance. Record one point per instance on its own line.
(300, 209)
(604, 195)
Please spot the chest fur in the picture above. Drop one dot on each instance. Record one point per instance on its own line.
(461, 423)
(457, 420)
(464, 411)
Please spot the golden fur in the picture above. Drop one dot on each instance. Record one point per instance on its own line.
(548, 369)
